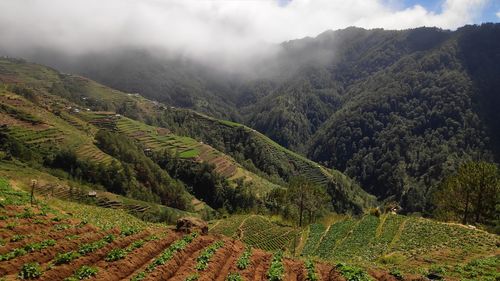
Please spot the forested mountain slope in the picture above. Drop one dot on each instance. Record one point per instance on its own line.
(396, 110)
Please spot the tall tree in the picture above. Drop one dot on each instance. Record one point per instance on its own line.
(471, 194)
(306, 197)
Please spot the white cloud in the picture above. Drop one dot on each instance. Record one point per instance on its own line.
(204, 27)
(498, 14)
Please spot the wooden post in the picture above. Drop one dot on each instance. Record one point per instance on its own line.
(33, 184)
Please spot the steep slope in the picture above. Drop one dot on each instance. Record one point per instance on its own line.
(342, 97)
(256, 161)
(85, 241)
(408, 125)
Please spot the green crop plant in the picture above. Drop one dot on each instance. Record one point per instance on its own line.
(352, 273)
(18, 237)
(244, 260)
(311, 271)
(193, 277)
(65, 257)
(276, 269)
(166, 255)
(91, 247)
(84, 272)
(234, 277)
(116, 254)
(205, 256)
(30, 270)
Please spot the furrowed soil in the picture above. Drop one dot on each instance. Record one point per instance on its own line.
(69, 235)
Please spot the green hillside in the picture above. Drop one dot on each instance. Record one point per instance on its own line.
(238, 153)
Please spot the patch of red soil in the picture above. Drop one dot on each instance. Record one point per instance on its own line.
(136, 259)
(294, 270)
(63, 271)
(38, 236)
(219, 265)
(229, 265)
(182, 263)
(259, 264)
(328, 273)
(47, 254)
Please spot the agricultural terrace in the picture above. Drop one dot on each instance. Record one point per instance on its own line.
(41, 129)
(396, 240)
(159, 139)
(114, 246)
(257, 231)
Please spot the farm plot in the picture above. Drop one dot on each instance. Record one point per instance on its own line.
(257, 231)
(333, 237)
(316, 232)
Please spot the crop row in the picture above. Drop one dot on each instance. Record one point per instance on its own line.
(166, 255)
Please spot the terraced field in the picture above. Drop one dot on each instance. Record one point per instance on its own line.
(158, 139)
(398, 239)
(41, 129)
(257, 231)
(42, 243)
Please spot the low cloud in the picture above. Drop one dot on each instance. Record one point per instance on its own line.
(204, 28)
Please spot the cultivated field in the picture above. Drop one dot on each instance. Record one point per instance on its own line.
(44, 242)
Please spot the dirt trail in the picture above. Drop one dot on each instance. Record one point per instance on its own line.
(180, 259)
(137, 259)
(63, 271)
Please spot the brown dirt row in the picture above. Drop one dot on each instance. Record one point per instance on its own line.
(230, 264)
(37, 236)
(13, 266)
(220, 262)
(259, 263)
(182, 262)
(26, 226)
(294, 270)
(66, 270)
(121, 269)
(327, 273)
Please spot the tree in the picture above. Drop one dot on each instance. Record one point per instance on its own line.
(470, 195)
(306, 197)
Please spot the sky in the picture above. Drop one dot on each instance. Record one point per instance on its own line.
(202, 28)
